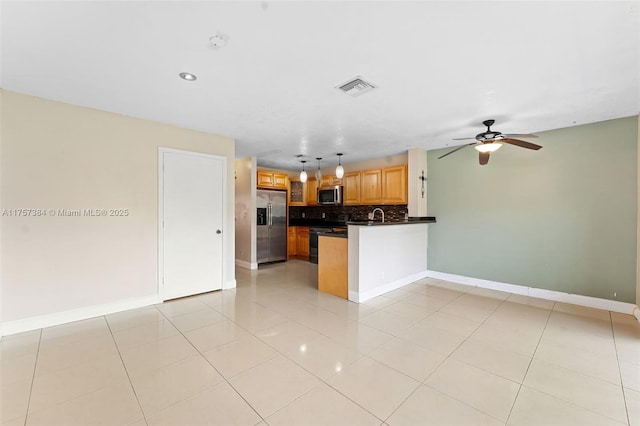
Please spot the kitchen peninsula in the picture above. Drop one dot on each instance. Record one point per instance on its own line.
(382, 256)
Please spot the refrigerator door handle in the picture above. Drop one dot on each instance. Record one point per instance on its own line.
(269, 214)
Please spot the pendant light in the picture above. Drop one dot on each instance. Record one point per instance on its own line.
(303, 174)
(339, 169)
(318, 172)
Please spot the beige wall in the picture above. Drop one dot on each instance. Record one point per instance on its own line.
(246, 182)
(60, 156)
(417, 205)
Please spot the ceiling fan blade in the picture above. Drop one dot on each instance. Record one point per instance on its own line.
(519, 135)
(484, 158)
(457, 149)
(462, 139)
(520, 143)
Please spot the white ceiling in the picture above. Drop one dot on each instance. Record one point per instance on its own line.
(441, 68)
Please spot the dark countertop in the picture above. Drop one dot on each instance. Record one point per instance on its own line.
(315, 222)
(411, 220)
(333, 234)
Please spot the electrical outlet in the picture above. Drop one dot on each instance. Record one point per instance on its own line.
(323, 215)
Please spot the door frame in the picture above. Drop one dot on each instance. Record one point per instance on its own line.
(161, 152)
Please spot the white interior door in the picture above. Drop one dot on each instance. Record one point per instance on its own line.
(192, 206)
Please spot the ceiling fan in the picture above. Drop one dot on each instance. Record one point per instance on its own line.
(490, 141)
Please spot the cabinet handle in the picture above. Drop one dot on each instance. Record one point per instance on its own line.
(218, 231)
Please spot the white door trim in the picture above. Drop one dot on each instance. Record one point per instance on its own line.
(161, 152)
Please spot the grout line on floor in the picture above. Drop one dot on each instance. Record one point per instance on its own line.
(144, 416)
(530, 362)
(213, 366)
(322, 381)
(33, 378)
(615, 346)
(297, 364)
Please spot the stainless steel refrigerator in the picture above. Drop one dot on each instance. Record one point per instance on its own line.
(272, 225)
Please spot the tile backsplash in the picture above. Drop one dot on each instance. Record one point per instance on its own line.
(392, 213)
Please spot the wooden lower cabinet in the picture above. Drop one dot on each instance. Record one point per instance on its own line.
(333, 266)
(302, 234)
(292, 242)
(298, 242)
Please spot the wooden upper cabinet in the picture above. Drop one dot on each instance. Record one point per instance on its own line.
(297, 193)
(394, 185)
(269, 179)
(371, 189)
(265, 179)
(351, 192)
(280, 180)
(383, 186)
(312, 192)
(330, 180)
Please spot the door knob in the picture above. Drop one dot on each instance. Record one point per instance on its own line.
(218, 231)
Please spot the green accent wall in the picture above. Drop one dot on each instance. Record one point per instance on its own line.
(563, 218)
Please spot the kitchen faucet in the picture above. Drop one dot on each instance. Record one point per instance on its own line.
(373, 213)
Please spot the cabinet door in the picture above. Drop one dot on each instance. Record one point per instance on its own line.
(303, 242)
(330, 180)
(351, 194)
(312, 192)
(292, 242)
(371, 190)
(394, 185)
(280, 180)
(265, 179)
(297, 193)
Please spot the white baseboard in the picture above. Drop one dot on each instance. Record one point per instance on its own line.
(360, 297)
(229, 284)
(34, 323)
(558, 296)
(246, 265)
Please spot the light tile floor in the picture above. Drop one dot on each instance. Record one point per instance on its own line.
(274, 351)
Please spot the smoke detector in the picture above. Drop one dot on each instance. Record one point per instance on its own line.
(218, 40)
(356, 86)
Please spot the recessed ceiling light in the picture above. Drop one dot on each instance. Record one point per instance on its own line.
(188, 76)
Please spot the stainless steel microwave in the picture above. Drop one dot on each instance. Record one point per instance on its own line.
(330, 195)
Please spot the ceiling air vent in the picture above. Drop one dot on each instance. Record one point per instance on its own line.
(356, 87)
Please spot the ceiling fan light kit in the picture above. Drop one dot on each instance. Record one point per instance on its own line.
(489, 141)
(488, 147)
